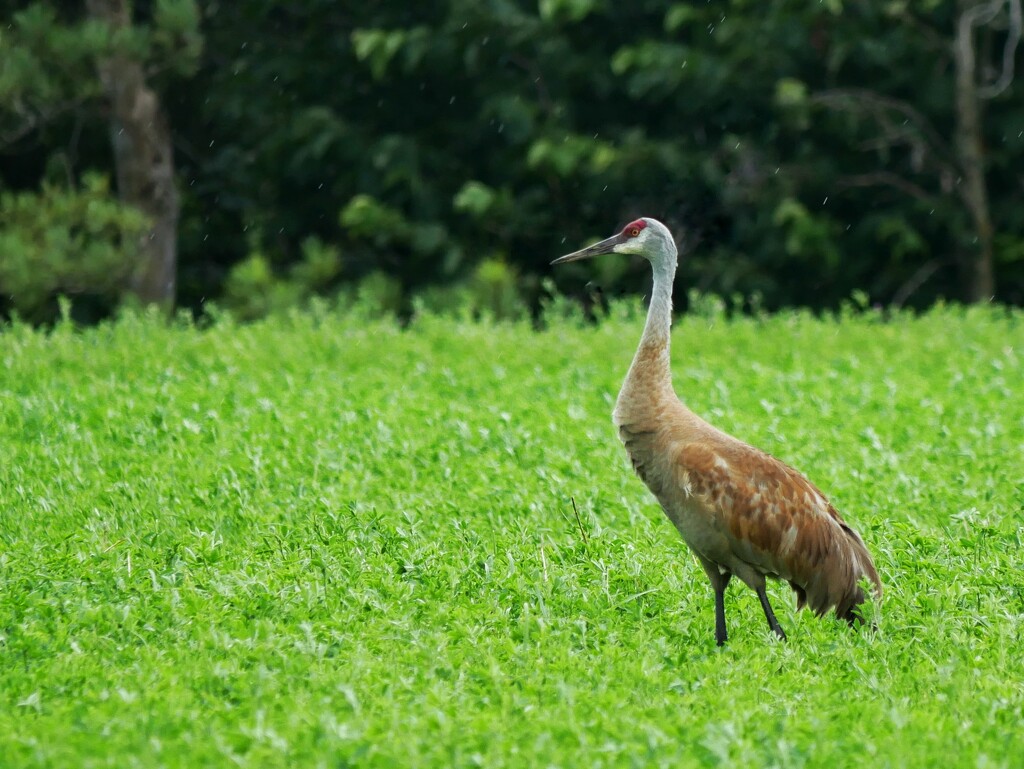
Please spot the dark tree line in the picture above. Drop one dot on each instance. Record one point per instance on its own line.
(256, 153)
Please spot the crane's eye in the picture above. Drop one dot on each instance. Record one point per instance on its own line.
(634, 232)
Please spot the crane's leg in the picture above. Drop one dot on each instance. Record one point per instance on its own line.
(721, 635)
(772, 622)
(719, 582)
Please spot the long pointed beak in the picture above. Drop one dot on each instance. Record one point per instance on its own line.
(605, 246)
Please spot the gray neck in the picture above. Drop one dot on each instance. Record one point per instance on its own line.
(657, 330)
(651, 364)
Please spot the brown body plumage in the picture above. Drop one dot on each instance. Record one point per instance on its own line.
(741, 511)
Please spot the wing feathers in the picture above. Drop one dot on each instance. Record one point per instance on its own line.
(780, 523)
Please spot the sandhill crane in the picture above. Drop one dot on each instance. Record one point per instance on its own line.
(741, 511)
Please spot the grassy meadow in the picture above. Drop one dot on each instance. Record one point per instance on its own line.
(326, 541)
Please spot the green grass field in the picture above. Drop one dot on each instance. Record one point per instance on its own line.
(324, 542)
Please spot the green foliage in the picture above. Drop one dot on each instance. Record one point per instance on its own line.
(494, 289)
(54, 239)
(369, 219)
(176, 36)
(30, 84)
(382, 225)
(1010, 249)
(790, 92)
(253, 290)
(475, 198)
(524, 128)
(379, 294)
(65, 241)
(808, 236)
(379, 47)
(48, 65)
(652, 68)
(571, 155)
(424, 138)
(902, 239)
(386, 228)
(318, 540)
(567, 10)
(451, 301)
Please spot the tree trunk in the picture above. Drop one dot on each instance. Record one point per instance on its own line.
(971, 154)
(141, 139)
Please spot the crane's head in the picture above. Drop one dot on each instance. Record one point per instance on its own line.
(647, 237)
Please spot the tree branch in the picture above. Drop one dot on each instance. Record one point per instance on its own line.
(530, 67)
(938, 40)
(885, 179)
(878, 105)
(1013, 35)
(30, 120)
(915, 281)
(981, 14)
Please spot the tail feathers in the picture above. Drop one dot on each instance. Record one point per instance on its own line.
(863, 568)
(837, 581)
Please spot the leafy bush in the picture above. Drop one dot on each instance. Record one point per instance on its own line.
(491, 291)
(253, 290)
(379, 294)
(64, 240)
(494, 289)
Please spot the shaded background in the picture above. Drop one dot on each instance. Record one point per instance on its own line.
(442, 153)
